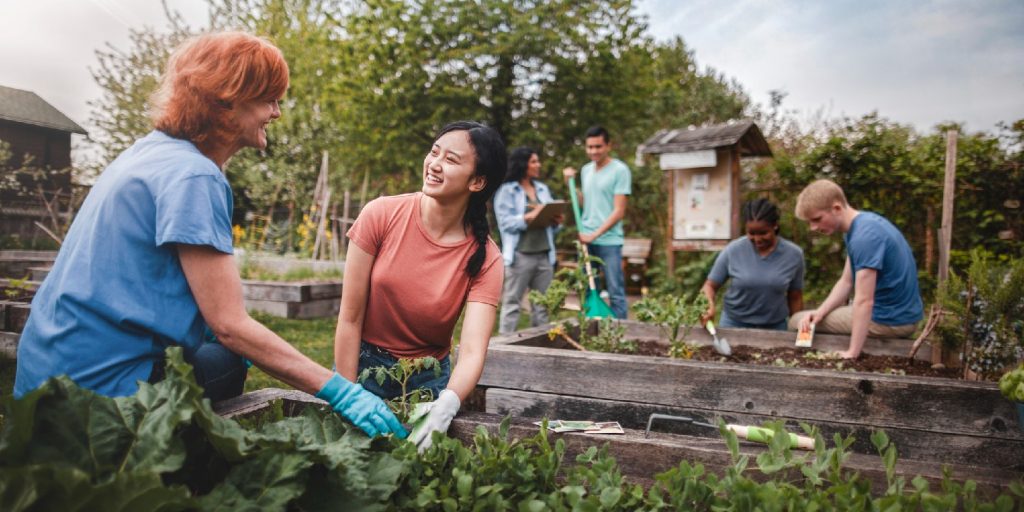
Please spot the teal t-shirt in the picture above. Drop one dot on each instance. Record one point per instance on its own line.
(599, 190)
(117, 296)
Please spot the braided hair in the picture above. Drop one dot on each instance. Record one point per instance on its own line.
(761, 210)
(490, 164)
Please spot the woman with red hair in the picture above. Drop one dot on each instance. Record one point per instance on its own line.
(148, 261)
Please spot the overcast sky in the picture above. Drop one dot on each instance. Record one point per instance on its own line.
(915, 62)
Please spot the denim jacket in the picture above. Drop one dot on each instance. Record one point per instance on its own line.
(509, 208)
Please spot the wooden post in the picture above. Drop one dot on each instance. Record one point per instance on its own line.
(734, 176)
(670, 253)
(946, 231)
(929, 238)
(948, 191)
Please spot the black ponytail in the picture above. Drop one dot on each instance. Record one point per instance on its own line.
(491, 164)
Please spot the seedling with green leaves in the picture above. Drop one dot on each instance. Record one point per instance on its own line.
(401, 372)
(568, 280)
(675, 316)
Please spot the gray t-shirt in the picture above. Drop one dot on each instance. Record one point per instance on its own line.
(757, 294)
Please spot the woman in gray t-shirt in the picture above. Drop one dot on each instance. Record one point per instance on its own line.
(767, 273)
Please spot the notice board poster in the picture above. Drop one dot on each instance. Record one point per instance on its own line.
(702, 208)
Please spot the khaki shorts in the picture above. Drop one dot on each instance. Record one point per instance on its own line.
(840, 321)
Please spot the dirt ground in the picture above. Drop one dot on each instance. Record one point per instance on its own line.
(792, 357)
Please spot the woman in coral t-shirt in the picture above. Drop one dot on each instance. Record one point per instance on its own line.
(414, 262)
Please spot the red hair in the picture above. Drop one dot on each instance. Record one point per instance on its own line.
(207, 77)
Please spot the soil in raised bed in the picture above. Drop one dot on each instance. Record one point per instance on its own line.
(792, 357)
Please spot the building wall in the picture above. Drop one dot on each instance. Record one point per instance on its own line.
(50, 149)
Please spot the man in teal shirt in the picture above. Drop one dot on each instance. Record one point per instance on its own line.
(606, 183)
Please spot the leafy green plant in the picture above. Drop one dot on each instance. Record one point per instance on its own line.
(401, 372)
(65, 448)
(610, 337)
(1011, 384)
(568, 280)
(675, 316)
(17, 288)
(984, 314)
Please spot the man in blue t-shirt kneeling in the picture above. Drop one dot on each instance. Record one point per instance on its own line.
(880, 270)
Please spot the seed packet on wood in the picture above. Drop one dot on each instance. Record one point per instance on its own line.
(804, 337)
(606, 427)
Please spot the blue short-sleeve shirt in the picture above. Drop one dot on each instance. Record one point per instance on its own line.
(873, 242)
(760, 285)
(117, 295)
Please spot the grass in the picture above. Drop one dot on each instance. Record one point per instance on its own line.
(314, 338)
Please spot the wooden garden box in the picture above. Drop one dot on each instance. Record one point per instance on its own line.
(933, 420)
(639, 457)
(303, 299)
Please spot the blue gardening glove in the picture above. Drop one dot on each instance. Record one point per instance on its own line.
(439, 415)
(361, 407)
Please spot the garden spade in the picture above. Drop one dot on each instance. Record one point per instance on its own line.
(720, 344)
(594, 305)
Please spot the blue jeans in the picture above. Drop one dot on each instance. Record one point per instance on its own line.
(614, 279)
(726, 321)
(219, 371)
(372, 356)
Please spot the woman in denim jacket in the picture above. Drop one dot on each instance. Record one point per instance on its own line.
(528, 252)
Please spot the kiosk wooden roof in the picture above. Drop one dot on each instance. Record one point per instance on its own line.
(745, 134)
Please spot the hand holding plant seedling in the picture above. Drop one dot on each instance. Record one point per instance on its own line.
(403, 404)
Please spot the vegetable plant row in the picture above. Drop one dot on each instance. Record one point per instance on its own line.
(65, 448)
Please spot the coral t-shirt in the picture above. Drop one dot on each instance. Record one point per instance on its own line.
(418, 285)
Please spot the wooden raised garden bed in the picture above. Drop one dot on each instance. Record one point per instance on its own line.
(17, 264)
(934, 420)
(639, 457)
(304, 299)
(15, 305)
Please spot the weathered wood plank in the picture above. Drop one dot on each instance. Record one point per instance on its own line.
(256, 401)
(15, 314)
(641, 458)
(17, 254)
(9, 344)
(941, 405)
(274, 291)
(39, 273)
(913, 444)
(761, 338)
(18, 268)
(319, 308)
(325, 290)
(291, 292)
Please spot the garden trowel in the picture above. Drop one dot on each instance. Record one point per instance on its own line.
(720, 344)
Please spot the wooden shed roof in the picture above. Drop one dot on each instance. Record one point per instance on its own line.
(745, 132)
(27, 107)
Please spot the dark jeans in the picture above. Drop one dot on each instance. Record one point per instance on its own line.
(372, 356)
(218, 370)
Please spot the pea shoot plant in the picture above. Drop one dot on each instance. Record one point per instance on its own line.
(401, 372)
(675, 316)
